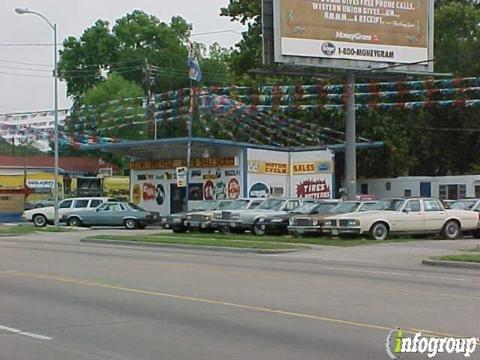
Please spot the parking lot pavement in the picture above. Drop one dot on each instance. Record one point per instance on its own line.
(61, 300)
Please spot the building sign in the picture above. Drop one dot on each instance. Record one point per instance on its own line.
(233, 189)
(317, 189)
(171, 164)
(367, 30)
(259, 190)
(40, 186)
(209, 190)
(266, 167)
(312, 167)
(181, 176)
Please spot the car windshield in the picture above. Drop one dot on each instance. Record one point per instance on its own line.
(305, 208)
(207, 205)
(346, 207)
(271, 204)
(371, 206)
(325, 208)
(236, 205)
(463, 204)
(223, 204)
(135, 207)
(391, 204)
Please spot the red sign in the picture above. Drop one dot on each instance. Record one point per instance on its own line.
(317, 189)
(25, 191)
(208, 190)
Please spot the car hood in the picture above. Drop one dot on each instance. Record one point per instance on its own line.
(363, 214)
(320, 216)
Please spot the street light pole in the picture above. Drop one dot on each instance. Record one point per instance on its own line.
(55, 75)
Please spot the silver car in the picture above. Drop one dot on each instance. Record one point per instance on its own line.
(249, 219)
(113, 214)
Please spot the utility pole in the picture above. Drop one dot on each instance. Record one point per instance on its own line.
(350, 138)
(150, 111)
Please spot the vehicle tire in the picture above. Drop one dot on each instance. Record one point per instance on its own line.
(39, 220)
(379, 231)
(258, 229)
(225, 229)
(74, 222)
(451, 230)
(131, 224)
(476, 234)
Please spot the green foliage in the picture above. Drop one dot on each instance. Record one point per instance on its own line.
(6, 148)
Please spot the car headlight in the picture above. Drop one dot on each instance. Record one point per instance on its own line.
(206, 217)
(277, 220)
(353, 222)
(291, 222)
(217, 216)
(235, 216)
(328, 222)
(314, 222)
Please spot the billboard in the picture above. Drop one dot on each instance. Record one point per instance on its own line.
(354, 34)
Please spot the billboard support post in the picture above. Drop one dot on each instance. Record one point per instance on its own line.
(350, 138)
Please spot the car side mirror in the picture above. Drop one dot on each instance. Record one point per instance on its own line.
(406, 211)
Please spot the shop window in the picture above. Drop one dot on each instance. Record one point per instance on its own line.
(277, 191)
(453, 191)
(477, 191)
(407, 193)
(388, 186)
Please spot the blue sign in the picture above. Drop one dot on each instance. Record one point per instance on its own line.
(259, 190)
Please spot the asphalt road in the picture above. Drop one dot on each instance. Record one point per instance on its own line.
(62, 299)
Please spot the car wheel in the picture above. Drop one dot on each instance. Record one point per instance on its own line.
(39, 220)
(258, 229)
(379, 231)
(451, 230)
(131, 224)
(74, 222)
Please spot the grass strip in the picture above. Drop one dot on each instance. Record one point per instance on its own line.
(28, 229)
(461, 257)
(326, 241)
(204, 241)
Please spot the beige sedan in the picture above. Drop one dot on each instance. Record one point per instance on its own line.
(411, 216)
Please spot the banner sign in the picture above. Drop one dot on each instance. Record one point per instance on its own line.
(317, 189)
(181, 176)
(317, 167)
(170, 164)
(264, 167)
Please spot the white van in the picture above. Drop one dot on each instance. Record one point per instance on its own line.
(43, 216)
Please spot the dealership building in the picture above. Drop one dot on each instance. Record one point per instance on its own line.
(222, 169)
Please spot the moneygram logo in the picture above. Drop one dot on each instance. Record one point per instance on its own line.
(353, 37)
(398, 343)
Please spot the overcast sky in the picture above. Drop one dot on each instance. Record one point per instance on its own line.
(25, 93)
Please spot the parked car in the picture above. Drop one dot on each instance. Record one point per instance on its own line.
(112, 214)
(249, 219)
(313, 224)
(465, 204)
(411, 216)
(178, 222)
(278, 224)
(205, 220)
(45, 215)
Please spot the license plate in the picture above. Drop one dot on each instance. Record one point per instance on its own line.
(194, 223)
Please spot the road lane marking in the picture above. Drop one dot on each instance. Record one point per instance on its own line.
(24, 333)
(118, 287)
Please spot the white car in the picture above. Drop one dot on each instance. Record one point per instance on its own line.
(411, 216)
(45, 215)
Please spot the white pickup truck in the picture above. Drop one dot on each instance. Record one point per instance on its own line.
(45, 215)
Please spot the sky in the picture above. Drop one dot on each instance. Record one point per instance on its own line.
(33, 93)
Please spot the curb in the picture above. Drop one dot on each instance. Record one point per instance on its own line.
(191, 247)
(453, 264)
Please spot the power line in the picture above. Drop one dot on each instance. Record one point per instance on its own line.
(24, 69)
(24, 63)
(216, 32)
(27, 75)
(29, 44)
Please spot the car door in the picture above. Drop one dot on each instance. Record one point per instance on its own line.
(435, 214)
(103, 214)
(410, 218)
(64, 207)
